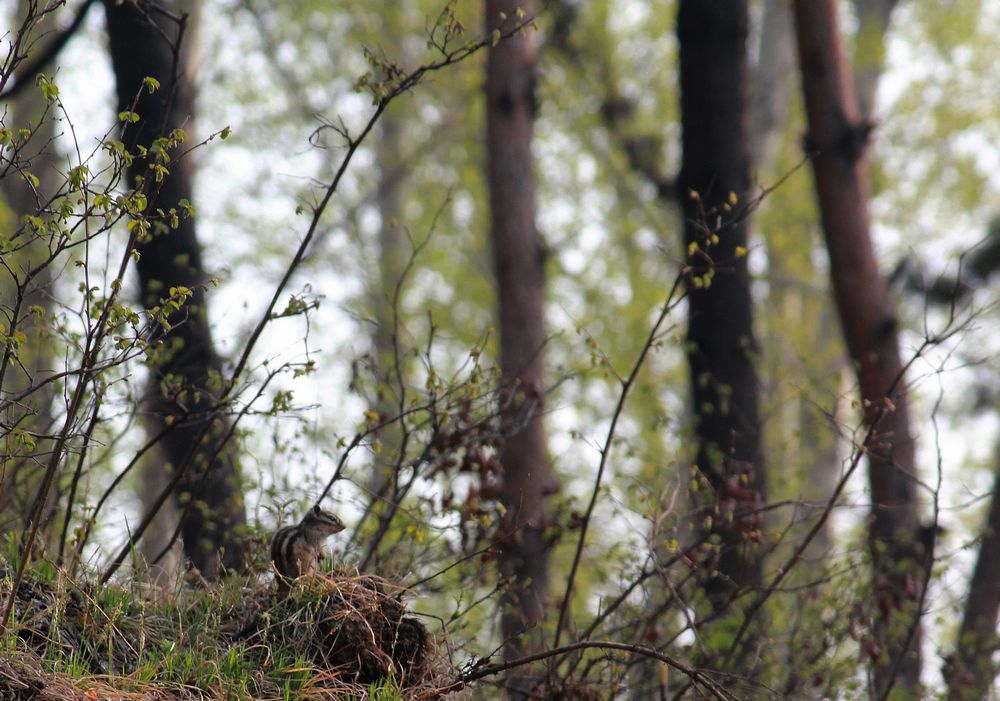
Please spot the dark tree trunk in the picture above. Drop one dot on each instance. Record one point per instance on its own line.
(836, 144)
(210, 495)
(721, 345)
(518, 259)
(970, 670)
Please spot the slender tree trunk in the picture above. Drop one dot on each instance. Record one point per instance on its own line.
(836, 144)
(186, 366)
(394, 250)
(387, 345)
(869, 51)
(518, 259)
(392, 256)
(810, 437)
(20, 477)
(721, 345)
(770, 103)
(970, 670)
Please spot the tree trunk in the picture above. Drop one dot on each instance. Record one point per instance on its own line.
(869, 51)
(807, 437)
(836, 144)
(388, 352)
(518, 260)
(185, 367)
(970, 670)
(394, 250)
(770, 103)
(21, 476)
(721, 345)
(161, 553)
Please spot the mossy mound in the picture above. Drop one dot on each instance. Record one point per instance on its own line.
(356, 626)
(328, 637)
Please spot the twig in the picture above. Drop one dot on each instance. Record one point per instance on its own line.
(861, 451)
(483, 668)
(626, 386)
(353, 144)
(25, 76)
(93, 345)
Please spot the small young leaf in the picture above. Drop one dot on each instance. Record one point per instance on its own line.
(49, 89)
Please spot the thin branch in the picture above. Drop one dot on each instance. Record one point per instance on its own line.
(483, 668)
(405, 84)
(861, 451)
(93, 345)
(668, 306)
(25, 76)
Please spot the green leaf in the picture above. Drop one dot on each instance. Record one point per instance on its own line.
(49, 89)
(78, 177)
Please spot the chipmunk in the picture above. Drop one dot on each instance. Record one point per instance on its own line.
(295, 550)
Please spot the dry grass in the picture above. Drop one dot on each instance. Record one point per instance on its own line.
(330, 637)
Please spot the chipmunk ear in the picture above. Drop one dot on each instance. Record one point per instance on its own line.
(316, 510)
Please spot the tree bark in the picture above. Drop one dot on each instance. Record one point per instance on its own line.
(388, 351)
(808, 438)
(210, 494)
(394, 250)
(21, 476)
(869, 51)
(721, 344)
(970, 670)
(770, 103)
(836, 145)
(518, 259)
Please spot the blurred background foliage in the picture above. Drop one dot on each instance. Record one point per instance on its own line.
(413, 213)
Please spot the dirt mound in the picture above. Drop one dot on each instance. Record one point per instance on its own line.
(332, 635)
(356, 626)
